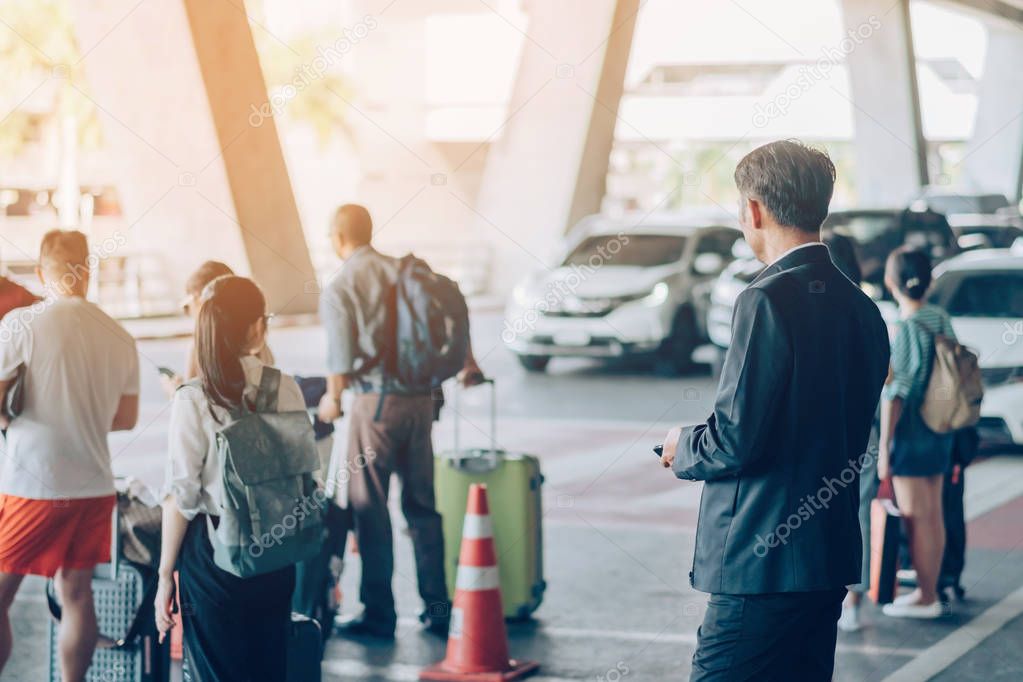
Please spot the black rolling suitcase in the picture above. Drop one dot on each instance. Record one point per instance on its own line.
(128, 648)
(317, 580)
(305, 647)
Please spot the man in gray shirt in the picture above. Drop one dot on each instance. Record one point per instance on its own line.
(386, 436)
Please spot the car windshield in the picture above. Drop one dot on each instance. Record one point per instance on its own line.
(637, 250)
(864, 228)
(955, 203)
(994, 294)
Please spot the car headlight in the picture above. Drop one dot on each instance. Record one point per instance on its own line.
(657, 296)
(521, 295)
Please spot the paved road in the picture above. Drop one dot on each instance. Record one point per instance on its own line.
(618, 532)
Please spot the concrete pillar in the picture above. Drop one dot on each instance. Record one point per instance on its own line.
(993, 161)
(549, 165)
(178, 88)
(413, 182)
(891, 157)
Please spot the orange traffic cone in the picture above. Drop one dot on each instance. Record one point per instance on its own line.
(477, 640)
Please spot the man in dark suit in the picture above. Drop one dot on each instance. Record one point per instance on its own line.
(778, 537)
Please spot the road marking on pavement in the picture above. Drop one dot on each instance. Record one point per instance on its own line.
(992, 483)
(944, 653)
(399, 672)
(678, 638)
(690, 639)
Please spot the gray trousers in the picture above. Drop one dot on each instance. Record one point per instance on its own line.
(398, 443)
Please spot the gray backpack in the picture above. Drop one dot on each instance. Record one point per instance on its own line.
(273, 511)
(428, 327)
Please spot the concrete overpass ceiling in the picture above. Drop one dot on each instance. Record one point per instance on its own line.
(1008, 10)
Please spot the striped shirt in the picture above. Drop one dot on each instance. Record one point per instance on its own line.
(913, 352)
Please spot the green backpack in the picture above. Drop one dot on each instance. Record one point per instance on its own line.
(273, 510)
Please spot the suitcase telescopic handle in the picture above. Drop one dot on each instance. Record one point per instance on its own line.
(115, 539)
(493, 415)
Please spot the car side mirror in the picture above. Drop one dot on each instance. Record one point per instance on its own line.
(708, 264)
(974, 240)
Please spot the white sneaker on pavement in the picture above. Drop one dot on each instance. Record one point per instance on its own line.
(910, 597)
(920, 611)
(849, 621)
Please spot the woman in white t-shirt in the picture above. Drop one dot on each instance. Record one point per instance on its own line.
(234, 628)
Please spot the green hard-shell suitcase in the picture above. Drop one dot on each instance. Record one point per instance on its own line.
(513, 483)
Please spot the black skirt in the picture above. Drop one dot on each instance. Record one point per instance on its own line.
(235, 629)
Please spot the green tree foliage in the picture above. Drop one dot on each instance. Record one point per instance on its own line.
(44, 78)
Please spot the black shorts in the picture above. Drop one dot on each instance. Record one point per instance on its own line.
(918, 451)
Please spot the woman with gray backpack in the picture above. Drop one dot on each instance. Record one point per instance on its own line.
(933, 389)
(241, 506)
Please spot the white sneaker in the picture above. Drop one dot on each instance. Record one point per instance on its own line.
(906, 575)
(920, 611)
(910, 597)
(849, 621)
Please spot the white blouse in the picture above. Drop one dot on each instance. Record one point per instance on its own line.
(193, 470)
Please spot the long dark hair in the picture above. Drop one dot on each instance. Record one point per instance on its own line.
(230, 306)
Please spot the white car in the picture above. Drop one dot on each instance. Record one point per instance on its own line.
(1001, 416)
(982, 290)
(622, 286)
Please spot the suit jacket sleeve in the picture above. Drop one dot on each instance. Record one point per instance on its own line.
(756, 369)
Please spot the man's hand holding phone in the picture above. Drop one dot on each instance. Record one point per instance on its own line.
(667, 451)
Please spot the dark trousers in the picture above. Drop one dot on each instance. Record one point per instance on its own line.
(768, 637)
(399, 442)
(952, 509)
(235, 629)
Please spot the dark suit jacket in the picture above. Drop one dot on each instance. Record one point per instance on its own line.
(781, 452)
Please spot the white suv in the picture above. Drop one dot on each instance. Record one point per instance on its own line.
(622, 286)
(983, 293)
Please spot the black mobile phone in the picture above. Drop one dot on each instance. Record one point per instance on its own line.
(658, 450)
(167, 372)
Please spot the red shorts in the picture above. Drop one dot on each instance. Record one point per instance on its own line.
(39, 537)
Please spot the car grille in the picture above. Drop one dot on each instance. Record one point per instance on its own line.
(588, 307)
(595, 342)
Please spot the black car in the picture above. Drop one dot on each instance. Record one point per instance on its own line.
(875, 233)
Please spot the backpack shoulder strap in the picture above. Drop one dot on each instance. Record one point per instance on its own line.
(269, 387)
(923, 326)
